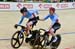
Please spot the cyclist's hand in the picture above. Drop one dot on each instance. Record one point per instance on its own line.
(37, 17)
(16, 25)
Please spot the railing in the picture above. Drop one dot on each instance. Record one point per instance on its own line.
(14, 6)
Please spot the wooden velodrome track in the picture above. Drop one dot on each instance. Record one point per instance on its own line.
(67, 31)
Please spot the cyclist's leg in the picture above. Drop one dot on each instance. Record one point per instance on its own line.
(28, 38)
(55, 27)
(31, 23)
(53, 34)
(29, 27)
(52, 31)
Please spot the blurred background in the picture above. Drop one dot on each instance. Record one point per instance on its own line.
(35, 1)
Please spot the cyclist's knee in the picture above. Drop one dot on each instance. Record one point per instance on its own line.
(29, 26)
(51, 30)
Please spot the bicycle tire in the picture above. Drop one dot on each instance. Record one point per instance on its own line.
(17, 39)
(57, 43)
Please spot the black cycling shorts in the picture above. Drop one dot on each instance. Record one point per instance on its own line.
(34, 20)
(56, 26)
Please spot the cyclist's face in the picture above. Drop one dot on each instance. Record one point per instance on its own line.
(24, 13)
(51, 12)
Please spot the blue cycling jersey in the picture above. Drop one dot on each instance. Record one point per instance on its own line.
(28, 15)
(53, 18)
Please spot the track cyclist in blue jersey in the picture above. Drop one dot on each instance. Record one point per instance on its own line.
(55, 25)
(32, 16)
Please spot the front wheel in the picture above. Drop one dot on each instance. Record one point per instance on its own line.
(17, 39)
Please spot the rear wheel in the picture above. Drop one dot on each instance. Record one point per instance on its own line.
(17, 39)
(54, 45)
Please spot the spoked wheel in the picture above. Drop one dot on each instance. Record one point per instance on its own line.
(57, 43)
(17, 39)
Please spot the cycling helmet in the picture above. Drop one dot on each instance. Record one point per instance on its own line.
(24, 9)
(51, 8)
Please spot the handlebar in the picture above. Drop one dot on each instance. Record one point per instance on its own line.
(45, 32)
(42, 29)
(23, 27)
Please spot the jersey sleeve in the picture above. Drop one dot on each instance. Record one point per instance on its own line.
(46, 17)
(22, 18)
(35, 11)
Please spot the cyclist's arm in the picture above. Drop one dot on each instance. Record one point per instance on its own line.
(45, 18)
(22, 18)
(33, 14)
